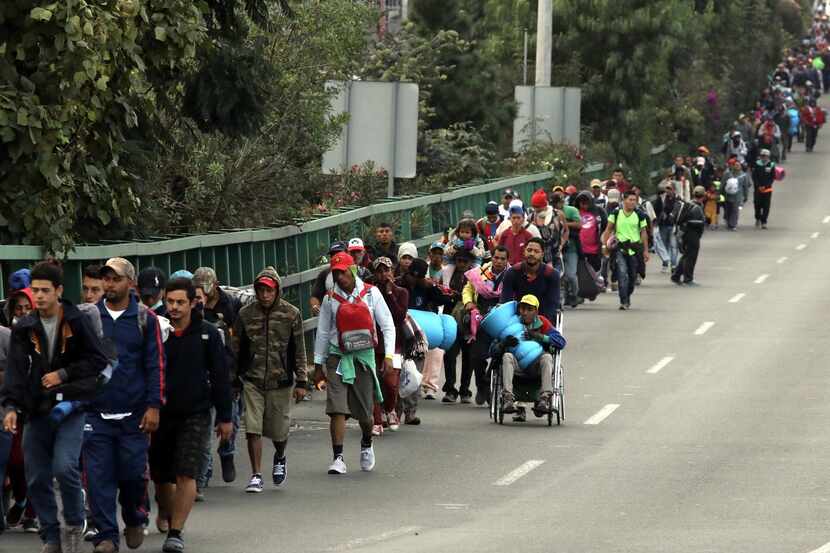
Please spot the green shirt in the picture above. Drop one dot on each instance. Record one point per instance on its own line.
(627, 227)
(572, 215)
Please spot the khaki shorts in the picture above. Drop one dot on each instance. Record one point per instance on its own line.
(267, 412)
(355, 400)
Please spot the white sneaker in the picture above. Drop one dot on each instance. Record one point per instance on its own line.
(377, 430)
(367, 458)
(338, 466)
(255, 484)
(394, 421)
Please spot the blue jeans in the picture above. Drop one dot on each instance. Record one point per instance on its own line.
(6, 439)
(626, 275)
(668, 239)
(571, 259)
(226, 449)
(54, 452)
(115, 458)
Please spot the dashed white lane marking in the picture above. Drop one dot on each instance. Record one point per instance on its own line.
(603, 414)
(518, 472)
(781, 260)
(801, 247)
(737, 297)
(815, 235)
(454, 506)
(761, 279)
(704, 327)
(661, 364)
(826, 220)
(823, 549)
(362, 542)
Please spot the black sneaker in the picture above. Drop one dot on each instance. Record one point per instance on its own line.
(542, 405)
(30, 525)
(482, 397)
(507, 403)
(228, 469)
(520, 416)
(91, 532)
(466, 398)
(279, 473)
(449, 397)
(15, 514)
(676, 280)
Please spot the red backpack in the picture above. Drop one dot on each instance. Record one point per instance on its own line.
(355, 325)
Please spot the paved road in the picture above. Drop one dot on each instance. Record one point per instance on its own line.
(723, 449)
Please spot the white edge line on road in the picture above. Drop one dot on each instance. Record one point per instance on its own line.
(361, 542)
(737, 297)
(704, 327)
(661, 364)
(603, 414)
(518, 472)
(815, 235)
(781, 260)
(761, 279)
(826, 220)
(801, 247)
(823, 549)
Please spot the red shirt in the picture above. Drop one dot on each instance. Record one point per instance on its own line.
(515, 244)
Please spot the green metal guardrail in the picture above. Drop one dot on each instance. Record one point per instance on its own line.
(295, 250)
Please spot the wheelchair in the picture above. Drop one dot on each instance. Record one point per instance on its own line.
(526, 391)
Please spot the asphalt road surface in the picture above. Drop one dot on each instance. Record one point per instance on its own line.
(711, 407)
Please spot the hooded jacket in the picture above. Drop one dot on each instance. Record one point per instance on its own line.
(138, 382)
(8, 307)
(269, 343)
(79, 355)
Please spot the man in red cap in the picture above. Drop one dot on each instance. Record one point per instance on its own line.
(344, 356)
(269, 345)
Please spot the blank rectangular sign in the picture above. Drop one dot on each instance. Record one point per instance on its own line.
(382, 127)
(547, 113)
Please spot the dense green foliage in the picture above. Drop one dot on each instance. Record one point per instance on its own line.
(129, 118)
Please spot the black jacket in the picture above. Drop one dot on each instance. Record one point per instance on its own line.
(79, 355)
(197, 372)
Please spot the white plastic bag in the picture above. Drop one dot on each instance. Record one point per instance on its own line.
(410, 379)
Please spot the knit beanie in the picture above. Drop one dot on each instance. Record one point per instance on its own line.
(407, 248)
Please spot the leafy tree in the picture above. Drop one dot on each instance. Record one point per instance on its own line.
(75, 76)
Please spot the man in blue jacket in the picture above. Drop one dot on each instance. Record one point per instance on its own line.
(55, 359)
(119, 420)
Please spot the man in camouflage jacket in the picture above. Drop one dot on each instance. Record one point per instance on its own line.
(270, 349)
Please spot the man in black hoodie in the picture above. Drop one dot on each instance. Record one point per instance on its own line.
(55, 359)
(197, 379)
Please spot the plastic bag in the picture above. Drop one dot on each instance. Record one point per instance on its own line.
(410, 379)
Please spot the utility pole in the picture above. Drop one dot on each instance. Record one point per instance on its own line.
(544, 42)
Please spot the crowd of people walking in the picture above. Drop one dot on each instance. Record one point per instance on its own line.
(101, 398)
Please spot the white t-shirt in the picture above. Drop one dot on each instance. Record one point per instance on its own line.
(114, 314)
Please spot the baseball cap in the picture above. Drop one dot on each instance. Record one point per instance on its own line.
(491, 208)
(341, 261)
(508, 194)
(699, 191)
(558, 188)
(20, 279)
(418, 269)
(571, 189)
(150, 281)
(205, 278)
(382, 261)
(516, 210)
(764, 152)
(437, 246)
(530, 299)
(596, 183)
(182, 273)
(336, 247)
(266, 281)
(120, 267)
(356, 245)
